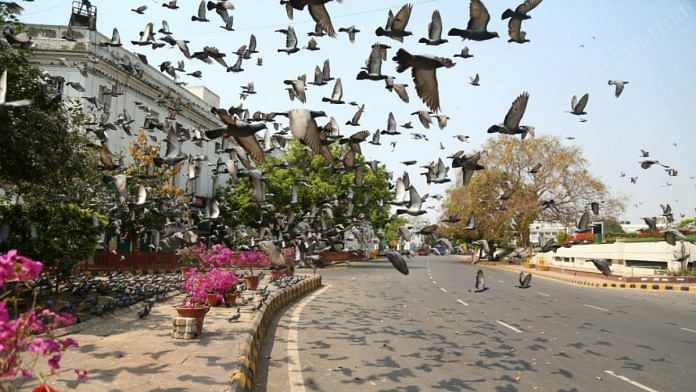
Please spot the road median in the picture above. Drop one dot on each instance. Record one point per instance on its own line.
(593, 282)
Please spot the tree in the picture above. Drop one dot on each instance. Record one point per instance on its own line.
(316, 184)
(390, 229)
(505, 197)
(612, 225)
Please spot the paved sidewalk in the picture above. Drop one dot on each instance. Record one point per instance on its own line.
(594, 282)
(124, 353)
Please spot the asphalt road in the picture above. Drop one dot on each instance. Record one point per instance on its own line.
(373, 329)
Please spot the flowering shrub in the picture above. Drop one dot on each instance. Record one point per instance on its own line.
(252, 259)
(206, 259)
(198, 285)
(195, 287)
(220, 282)
(218, 256)
(22, 334)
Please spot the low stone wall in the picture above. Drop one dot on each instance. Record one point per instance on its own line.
(242, 376)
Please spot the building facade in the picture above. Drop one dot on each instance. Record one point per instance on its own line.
(627, 259)
(118, 83)
(541, 231)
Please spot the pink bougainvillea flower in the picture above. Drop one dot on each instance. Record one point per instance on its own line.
(54, 362)
(81, 375)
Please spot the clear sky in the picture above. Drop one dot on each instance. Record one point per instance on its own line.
(575, 48)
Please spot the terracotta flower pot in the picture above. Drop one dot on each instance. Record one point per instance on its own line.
(197, 312)
(275, 275)
(231, 299)
(252, 282)
(212, 300)
(289, 272)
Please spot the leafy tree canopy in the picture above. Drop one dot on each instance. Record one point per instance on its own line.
(316, 185)
(563, 178)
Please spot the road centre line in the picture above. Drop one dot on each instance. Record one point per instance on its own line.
(295, 378)
(443, 290)
(462, 302)
(596, 307)
(687, 329)
(544, 294)
(628, 380)
(508, 326)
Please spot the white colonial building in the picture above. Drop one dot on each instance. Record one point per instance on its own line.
(627, 259)
(541, 231)
(138, 85)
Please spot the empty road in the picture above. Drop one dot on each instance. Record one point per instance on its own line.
(373, 329)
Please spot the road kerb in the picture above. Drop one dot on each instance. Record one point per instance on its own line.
(244, 369)
(610, 285)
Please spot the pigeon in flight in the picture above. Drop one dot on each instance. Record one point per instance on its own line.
(337, 95)
(474, 81)
(290, 41)
(317, 11)
(243, 133)
(619, 86)
(414, 204)
(374, 64)
(200, 15)
(434, 31)
(396, 25)
(516, 18)
(511, 125)
(602, 265)
(398, 88)
(140, 10)
(397, 261)
(578, 107)
(351, 31)
(524, 280)
(464, 53)
(424, 75)
(477, 28)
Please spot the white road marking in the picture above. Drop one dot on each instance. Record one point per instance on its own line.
(544, 294)
(508, 326)
(443, 290)
(687, 329)
(628, 380)
(596, 307)
(434, 282)
(294, 369)
(500, 281)
(462, 302)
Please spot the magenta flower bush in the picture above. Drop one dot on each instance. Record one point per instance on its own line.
(252, 259)
(221, 282)
(198, 285)
(29, 332)
(207, 258)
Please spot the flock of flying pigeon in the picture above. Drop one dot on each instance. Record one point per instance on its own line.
(309, 230)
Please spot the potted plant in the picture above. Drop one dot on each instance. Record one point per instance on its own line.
(250, 260)
(218, 284)
(190, 257)
(194, 305)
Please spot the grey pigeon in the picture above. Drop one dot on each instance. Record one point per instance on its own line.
(397, 261)
(423, 69)
(511, 125)
(477, 28)
(619, 86)
(434, 31)
(396, 24)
